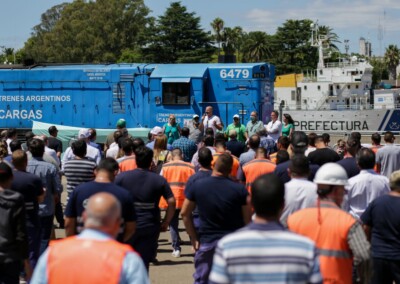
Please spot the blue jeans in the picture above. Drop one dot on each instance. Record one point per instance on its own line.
(33, 230)
(174, 230)
(203, 262)
(46, 225)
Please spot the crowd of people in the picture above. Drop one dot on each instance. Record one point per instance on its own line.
(260, 203)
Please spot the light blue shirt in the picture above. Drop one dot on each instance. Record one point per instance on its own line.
(247, 157)
(362, 190)
(48, 173)
(133, 270)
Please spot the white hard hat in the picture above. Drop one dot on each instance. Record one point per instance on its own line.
(331, 174)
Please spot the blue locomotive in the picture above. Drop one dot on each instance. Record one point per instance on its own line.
(144, 95)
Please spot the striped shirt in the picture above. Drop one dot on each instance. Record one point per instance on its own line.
(265, 253)
(78, 171)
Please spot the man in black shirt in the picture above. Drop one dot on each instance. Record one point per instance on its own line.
(31, 187)
(146, 188)
(54, 143)
(13, 237)
(323, 154)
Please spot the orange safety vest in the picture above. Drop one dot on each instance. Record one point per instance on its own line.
(235, 166)
(81, 261)
(375, 149)
(273, 157)
(177, 174)
(256, 168)
(128, 164)
(328, 226)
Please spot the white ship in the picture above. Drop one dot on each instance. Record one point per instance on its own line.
(337, 97)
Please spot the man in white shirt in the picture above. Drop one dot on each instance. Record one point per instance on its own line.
(210, 120)
(274, 127)
(91, 152)
(366, 186)
(299, 191)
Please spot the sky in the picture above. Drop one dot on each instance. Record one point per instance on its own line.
(349, 19)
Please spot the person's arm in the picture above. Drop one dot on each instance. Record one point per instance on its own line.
(367, 231)
(201, 125)
(218, 124)
(129, 230)
(186, 213)
(275, 127)
(360, 248)
(133, 270)
(378, 167)
(70, 226)
(169, 214)
(246, 211)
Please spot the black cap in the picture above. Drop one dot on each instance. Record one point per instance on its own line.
(299, 139)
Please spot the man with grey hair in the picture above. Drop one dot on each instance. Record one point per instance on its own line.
(91, 251)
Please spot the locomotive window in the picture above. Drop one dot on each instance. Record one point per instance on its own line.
(176, 93)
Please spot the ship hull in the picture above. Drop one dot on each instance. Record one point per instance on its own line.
(346, 121)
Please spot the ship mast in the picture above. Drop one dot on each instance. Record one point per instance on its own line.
(317, 41)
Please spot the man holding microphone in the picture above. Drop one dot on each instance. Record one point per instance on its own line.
(210, 120)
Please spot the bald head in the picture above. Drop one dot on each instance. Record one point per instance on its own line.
(103, 213)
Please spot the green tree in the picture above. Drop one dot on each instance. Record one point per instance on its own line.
(331, 38)
(88, 31)
(178, 38)
(392, 59)
(292, 50)
(379, 71)
(218, 26)
(256, 47)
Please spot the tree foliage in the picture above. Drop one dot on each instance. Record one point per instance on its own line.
(292, 50)
(392, 59)
(93, 31)
(178, 38)
(256, 47)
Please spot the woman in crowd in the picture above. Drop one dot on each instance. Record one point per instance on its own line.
(288, 125)
(161, 154)
(172, 129)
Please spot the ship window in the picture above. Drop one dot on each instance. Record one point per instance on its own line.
(348, 86)
(354, 101)
(319, 88)
(293, 95)
(330, 87)
(361, 72)
(356, 86)
(176, 93)
(321, 72)
(337, 87)
(305, 87)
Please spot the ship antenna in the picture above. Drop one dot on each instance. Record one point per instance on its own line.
(316, 41)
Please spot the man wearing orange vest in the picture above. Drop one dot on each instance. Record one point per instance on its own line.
(338, 236)
(255, 168)
(177, 173)
(93, 256)
(220, 148)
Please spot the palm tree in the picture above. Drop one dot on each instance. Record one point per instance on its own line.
(392, 58)
(218, 26)
(331, 38)
(256, 47)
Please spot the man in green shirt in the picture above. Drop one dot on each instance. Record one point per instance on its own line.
(240, 129)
